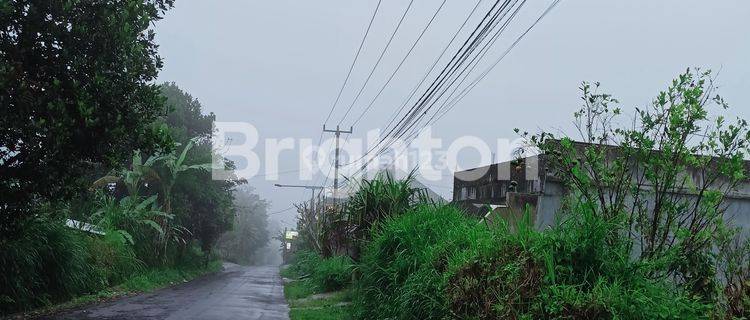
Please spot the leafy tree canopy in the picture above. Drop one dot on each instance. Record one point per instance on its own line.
(75, 90)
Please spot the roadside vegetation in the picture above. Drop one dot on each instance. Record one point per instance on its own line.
(317, 288)
(625, 244)
(106, 186)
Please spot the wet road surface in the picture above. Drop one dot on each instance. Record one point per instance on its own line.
(238, 292)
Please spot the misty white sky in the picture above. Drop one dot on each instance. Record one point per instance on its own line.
(278, 64)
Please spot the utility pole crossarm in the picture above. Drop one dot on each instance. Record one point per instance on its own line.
(351, 130)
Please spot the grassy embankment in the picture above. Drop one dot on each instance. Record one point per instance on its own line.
(318, 289)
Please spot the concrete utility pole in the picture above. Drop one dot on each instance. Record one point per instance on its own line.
(338, 133)
(311, 188)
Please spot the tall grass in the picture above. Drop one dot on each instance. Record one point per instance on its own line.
(436, 263)
(47, 263)
(51, 263)
(404, 268)
(377, 199)
(319, 274)
(334, 273)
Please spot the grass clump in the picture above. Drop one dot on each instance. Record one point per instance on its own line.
(580, 270)
(48, 263)
(317, 290)
(302, 265)
(299, 289)
(436, 263)
(333, 274)
(322, 313)
(404, 268)
(316, 274)
(51, 266)
(157, 278)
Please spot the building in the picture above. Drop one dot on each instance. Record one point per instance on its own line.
(509, 188)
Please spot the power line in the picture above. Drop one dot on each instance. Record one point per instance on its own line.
(280, 211)
(351, 68)
(356, 56)
(452, 102)
(424, 30)
(380, 58)
(466, 48)
(481, 77)
(434, 64)
(473, 63)
(439, 88)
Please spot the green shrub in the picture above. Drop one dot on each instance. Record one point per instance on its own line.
(435, 263)
(302, 265)
(319, 274)
(581, 269)
(404, 267)
(376, 200)
(113, 259)
(333, 274)
(48, 262)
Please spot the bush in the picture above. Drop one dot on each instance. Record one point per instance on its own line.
(404, 268)
(48, 262)
(580, 270)
(302, 265)
(436, 263)
(376, 200)
(319, 274)
(333, 274)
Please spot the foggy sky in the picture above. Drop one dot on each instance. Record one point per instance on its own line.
(278, 64)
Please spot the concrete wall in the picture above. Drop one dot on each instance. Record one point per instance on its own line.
(550, 201)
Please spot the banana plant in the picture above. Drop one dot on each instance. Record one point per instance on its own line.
(134, 177)
(175, 166)
(121, 218)
(163, 169)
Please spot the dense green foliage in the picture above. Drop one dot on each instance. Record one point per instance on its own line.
(317, 286)
(636, 238)
(76, 93)
(318, 274)
(48, 260)
(377, 199)
(85, 134)
(435, 263)
(334, 273)
(403, 269)
(665, 182)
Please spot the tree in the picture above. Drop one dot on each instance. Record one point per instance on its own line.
(664, 180)
(249, 233)
(203, 205)
(75, 91)
(185, 118)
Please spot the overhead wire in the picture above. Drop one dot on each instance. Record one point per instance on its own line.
(354, 62)
(466, 48)
(452, 101)
(403, 60)
(351, 68)
(377, 63)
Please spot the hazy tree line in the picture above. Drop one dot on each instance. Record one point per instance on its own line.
(87, 135)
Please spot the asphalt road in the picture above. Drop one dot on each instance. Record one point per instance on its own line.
(237, 293)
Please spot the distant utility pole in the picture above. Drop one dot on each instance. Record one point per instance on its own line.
(312, 188)
(338, 133)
